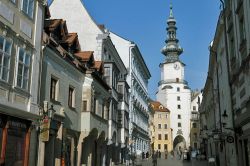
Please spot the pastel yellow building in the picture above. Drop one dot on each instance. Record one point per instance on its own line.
(161, 133)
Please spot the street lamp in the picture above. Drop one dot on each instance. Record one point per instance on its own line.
(51, 112)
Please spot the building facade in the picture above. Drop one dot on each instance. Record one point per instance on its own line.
(93, 37)
(63, 77)
(162, 133)
(137, 79)
(230, 55)
(196, 98)
(20, 47)
(173, 91)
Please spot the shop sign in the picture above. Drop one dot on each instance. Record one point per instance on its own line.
(17, 124)
(230, 139)
(44, 132)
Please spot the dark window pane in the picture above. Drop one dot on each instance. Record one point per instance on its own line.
(20, 69)
(19, 81)
(27, 60)
(1, 43)
(1, 57)
(21, 55)
(5, 73)
(31, 8)
(7, 47)
(15, 147)
(6, 61)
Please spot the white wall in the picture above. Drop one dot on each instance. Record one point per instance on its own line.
(78, 20)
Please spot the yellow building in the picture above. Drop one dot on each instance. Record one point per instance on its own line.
(162, 133)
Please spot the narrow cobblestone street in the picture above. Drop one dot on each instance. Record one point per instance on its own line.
(172, 162)
(175, 162)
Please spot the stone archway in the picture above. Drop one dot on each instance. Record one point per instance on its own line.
(179, 143)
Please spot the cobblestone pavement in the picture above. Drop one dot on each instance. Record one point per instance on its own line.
(171, 162)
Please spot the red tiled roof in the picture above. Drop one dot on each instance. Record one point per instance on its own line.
(158, 107)
(98, 65)
(52, 23)
(84, 55)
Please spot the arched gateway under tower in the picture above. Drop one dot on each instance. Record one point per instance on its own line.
(179, 143)
(173, 91)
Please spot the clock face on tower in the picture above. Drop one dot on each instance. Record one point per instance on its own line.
(176, 66)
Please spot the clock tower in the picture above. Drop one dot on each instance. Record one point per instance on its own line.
(173, 91)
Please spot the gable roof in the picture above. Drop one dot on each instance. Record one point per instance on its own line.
(158, 107)
(84, 55)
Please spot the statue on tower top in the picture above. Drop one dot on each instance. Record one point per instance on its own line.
(172, 49)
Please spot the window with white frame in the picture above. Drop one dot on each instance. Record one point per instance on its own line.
(28, 7)
(5, 52)
(71, 97)
(23, 69)
(54, 89)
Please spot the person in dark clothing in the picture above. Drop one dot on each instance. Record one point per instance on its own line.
(154, 158)
(143, 155)
(147, 155)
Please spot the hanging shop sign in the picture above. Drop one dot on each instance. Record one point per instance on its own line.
(230, 139)
(44, 130)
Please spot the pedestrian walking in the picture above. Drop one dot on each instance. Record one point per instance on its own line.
(143, 155)
(147, 155)
(172, 154)
(166, 154)
(127, 158)
(154, 158)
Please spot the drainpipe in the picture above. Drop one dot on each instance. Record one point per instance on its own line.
(228, 73)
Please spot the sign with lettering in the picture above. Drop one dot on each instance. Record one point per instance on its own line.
(44, 130)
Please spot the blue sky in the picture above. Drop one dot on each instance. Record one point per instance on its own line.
(144, 22)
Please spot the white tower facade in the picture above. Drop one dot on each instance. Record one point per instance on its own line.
(173, 91)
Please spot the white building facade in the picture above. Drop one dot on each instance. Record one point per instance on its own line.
(94, 37)
(196, 98)
(137, 79)
(20, 51)
(173, 91)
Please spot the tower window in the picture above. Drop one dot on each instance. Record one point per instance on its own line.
(179, 124)
(178, 89)
(179, 106)
(178, 98)
(159, 126)
(179, 116)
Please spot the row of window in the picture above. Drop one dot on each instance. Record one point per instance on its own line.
(165, 126)
(159, 116)
(165, 137)
(165, 147)
(27, 6)
(54, 92)
(23, 63)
